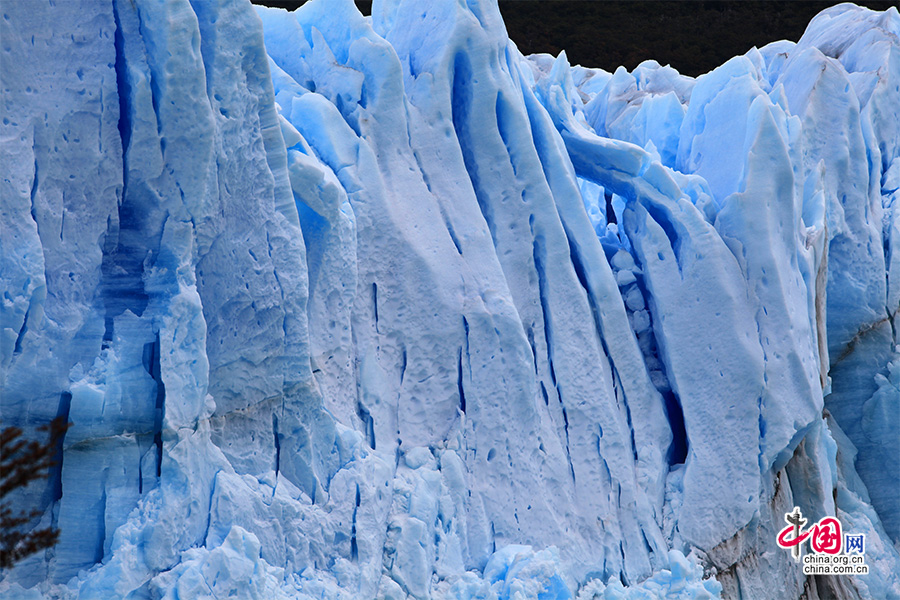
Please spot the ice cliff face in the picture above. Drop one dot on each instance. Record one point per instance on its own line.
(349, 307)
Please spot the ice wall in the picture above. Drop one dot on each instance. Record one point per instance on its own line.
(358, 307)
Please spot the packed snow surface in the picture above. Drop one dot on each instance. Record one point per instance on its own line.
(376, 307)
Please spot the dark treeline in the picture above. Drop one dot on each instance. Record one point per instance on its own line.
(692, 36)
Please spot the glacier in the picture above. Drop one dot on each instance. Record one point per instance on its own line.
(343, 306)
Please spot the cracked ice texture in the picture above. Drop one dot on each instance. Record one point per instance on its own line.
(377, 307)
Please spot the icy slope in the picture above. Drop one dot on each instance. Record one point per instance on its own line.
(353, 307)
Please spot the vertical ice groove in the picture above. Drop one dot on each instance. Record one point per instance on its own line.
(122, 86)
(277, 443)
(54, 477)
(459, 383)
(154, 369)
(539, 259)
(461, 73)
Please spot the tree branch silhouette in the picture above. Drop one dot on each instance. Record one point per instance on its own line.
(22, 462)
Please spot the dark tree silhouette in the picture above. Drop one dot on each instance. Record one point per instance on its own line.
(22, 462)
